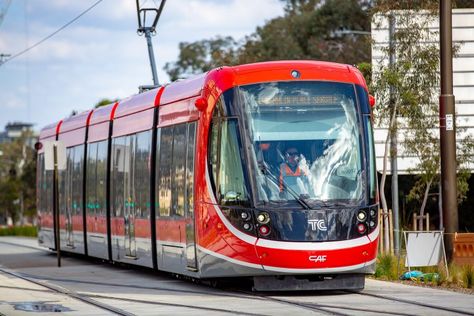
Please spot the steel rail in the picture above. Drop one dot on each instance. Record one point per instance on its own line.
(401, 300)
(69, 293)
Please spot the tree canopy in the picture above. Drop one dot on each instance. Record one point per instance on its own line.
(332, 30)
(17, 178)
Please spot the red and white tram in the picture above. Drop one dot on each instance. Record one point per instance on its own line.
(264, 170)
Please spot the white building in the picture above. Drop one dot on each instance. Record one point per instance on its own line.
(463, 80)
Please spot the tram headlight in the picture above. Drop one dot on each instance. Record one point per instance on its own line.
(245, 216)
(263, 218)
(373, 212)
(247, 226)
(361, 216)
(361, 228)
(264, 230)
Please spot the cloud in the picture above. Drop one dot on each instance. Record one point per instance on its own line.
(100, 55)
(12, 102)
(208, 18)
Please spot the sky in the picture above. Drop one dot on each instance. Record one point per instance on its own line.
(100, 55)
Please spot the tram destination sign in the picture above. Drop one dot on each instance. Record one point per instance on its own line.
(290, 100)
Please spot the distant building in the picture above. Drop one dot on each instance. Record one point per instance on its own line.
(14, 130)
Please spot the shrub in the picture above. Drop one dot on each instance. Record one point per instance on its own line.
(454, 273)
(467, 276)
(386, 267)
(27, 231)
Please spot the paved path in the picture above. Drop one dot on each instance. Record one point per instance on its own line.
(28, 274)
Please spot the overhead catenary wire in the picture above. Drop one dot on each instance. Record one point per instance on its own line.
(54, 33)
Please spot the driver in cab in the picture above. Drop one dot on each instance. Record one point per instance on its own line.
(293, 180)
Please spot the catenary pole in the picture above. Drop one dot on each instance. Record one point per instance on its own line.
(149, 29)
(447, 126)
(151, 55)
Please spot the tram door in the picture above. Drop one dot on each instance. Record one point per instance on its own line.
(190, 219)
(130, 204)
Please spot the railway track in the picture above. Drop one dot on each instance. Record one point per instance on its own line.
(313, 303)
(71, 294)
(328, 309)
(335, 309)
(435, 307)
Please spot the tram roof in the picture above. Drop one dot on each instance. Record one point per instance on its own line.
(213, 82)
(74, 122)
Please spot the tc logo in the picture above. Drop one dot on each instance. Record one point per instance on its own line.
(317, 224)
(320, 258)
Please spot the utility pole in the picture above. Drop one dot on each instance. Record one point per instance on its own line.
(393, 143)
(148, 31)
(447, 127)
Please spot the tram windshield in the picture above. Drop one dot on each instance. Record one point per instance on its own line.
(304, 141)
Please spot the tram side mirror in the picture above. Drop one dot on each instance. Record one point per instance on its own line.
(201, 104)
(371, 100)
(231, 196)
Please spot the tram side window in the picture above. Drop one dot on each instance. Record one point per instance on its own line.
(48, 189)
(101, 177)
(372, 174)
(77, 178)
(96, 178)
(44, 187)
(131, 175)
(178, 172)
(119, 154)
(141, 181)
(91, 179)
(226, 164)
(213, 149)
(175, 166)
(165, 163)
(39, 183)
(190, 167)
(64, 184)
(70, 182)
(63, 189)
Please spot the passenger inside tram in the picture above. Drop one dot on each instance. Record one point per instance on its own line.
(293, 170)
(292, 176)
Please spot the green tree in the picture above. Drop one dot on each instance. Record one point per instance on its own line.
(407, 98)
(18, 178)
(201, 56)
(309, 29)
(104, 102)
